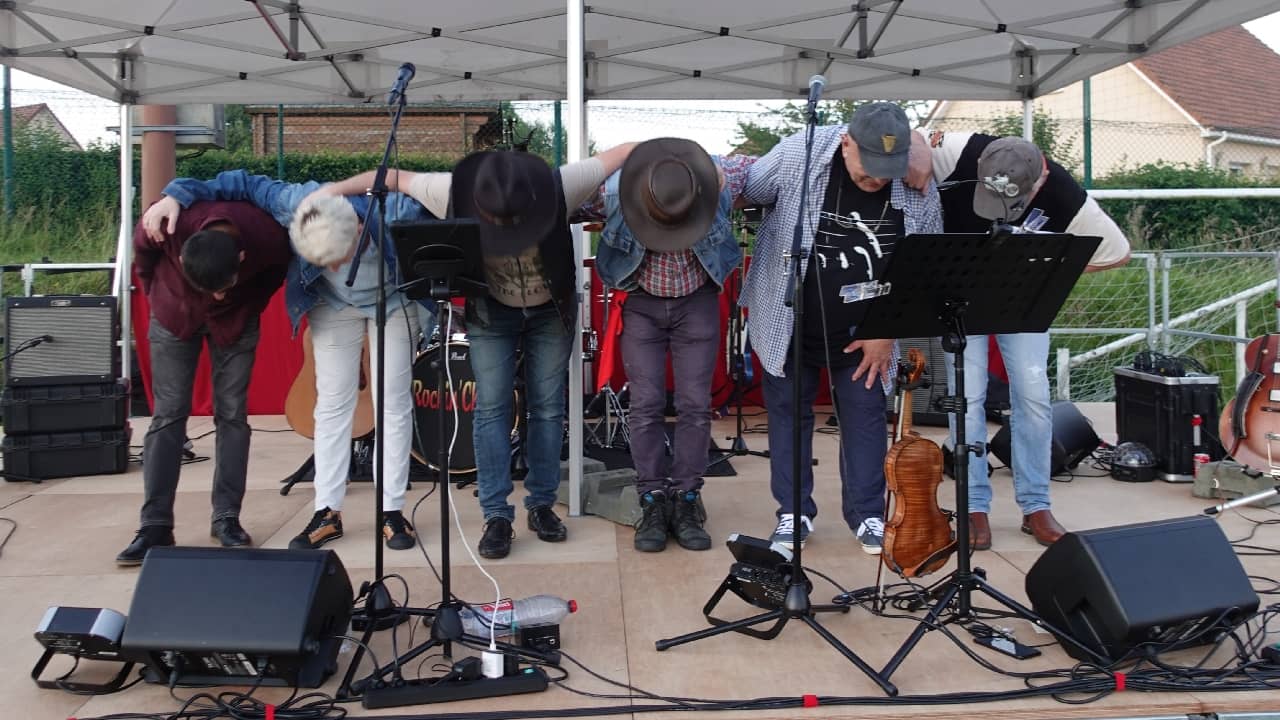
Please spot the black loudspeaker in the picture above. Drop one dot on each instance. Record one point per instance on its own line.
(214, 616)
(924, 410)
(1073, 439)
(1169, 583)
(61, 340)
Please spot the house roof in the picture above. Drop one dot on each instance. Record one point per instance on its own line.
(24, 114)
(1227, 80)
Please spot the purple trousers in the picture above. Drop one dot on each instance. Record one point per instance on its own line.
(688, 327)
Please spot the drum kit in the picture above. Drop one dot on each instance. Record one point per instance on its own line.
(460, 404)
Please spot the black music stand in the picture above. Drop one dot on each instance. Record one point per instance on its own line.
(952, 285)
(439, 260)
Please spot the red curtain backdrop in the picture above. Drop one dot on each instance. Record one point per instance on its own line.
(278, 360)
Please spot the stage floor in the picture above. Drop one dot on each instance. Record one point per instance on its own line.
(69, 532)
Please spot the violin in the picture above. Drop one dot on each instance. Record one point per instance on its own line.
(1252, 418)
(918, 538)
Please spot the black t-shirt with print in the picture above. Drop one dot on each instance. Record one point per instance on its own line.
(856, 235)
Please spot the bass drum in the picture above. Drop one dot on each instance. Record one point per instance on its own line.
(462, 396)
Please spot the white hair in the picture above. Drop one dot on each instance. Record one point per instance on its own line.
(324, 229)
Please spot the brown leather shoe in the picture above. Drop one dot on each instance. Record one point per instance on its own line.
(1042, 525)
(979, 531)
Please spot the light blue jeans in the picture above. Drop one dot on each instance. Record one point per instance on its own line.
(1025, 358)
(546, 343)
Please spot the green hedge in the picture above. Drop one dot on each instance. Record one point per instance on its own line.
(66, 185)
(1244, 223)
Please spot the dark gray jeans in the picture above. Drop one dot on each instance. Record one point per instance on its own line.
(173, 371)
(690, 328)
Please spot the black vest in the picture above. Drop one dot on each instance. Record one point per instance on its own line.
(1060, 198)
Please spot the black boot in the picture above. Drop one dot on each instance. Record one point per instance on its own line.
(147, 538)
(651, 532)
(687, 517)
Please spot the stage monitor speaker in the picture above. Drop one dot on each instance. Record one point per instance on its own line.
(924, 410)
(244, 616)
(61, 340)
(1164, 584)
(1073, 439)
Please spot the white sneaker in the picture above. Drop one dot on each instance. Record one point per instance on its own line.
(785, 533)
(871, 535)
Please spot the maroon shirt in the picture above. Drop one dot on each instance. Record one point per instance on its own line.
(182, 309)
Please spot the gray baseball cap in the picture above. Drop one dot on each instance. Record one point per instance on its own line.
(1008, 170)
(883, 136)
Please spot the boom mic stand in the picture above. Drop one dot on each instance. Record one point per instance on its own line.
(378, 610)
(796, 604)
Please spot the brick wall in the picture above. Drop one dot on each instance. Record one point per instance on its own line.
(451, 134)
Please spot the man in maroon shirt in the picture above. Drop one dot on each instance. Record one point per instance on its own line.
(207, 281)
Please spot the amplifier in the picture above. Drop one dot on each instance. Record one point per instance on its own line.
(923, 409)
(61, 340)
(1157, 411)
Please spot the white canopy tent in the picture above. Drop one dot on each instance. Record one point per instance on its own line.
(334, 51)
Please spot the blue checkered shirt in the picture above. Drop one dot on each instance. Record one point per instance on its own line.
(774, 181)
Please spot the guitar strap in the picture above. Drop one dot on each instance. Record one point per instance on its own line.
(1248, 386)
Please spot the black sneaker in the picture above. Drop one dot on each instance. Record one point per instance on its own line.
(651, 531)
(229, 532)
(147, 538)
(325, 526)
(398, 532)
(544, 521)
(496, 541)
(687, 516)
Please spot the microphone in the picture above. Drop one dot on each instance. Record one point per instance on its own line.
(816, 83)
(396, 95)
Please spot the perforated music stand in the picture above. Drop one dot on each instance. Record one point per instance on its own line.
(952, 285)
(438, 260)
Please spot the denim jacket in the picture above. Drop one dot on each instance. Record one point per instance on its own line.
(280, 199)
(619, 255)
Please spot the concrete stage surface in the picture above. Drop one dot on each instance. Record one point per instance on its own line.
(69, 531)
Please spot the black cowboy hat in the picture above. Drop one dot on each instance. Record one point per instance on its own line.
(513, 196)
(670, 191)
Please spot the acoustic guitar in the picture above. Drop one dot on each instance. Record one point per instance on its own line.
(300, 403)
(918, 537)
(1251, 419)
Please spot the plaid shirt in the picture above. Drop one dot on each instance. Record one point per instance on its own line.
(774, 181)
(671, 274)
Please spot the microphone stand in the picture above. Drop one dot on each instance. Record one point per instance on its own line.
(378, 607)
(796, 604)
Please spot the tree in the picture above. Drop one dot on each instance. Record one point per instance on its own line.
(239, 127)
(1047, 133)
(758, 138)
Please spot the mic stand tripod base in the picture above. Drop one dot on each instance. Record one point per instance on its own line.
(378, 613)
(761, 590)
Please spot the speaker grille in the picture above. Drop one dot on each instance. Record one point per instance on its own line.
(83, 348)
(923, 410)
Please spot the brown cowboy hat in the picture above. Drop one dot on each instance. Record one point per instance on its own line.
(669, 190)
(513, 195)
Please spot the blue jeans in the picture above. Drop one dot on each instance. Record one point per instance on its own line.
(546, 343)
(862, 441)
(1025, 358)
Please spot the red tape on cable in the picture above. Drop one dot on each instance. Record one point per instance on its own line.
(810, 701)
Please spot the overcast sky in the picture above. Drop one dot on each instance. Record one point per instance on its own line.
(711, 123)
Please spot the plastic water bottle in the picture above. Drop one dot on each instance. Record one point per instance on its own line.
(512, 615)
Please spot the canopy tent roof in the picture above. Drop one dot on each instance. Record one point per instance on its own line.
(189, 51)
